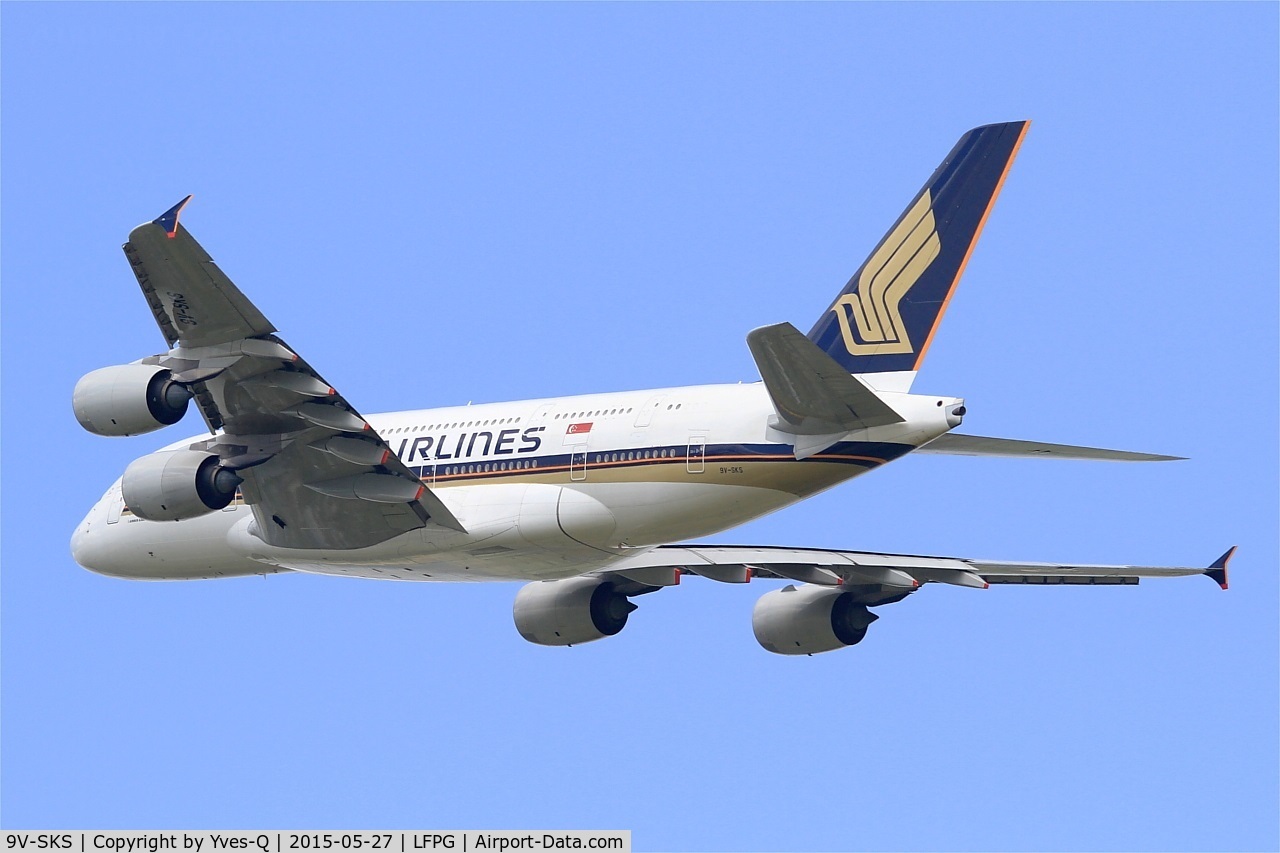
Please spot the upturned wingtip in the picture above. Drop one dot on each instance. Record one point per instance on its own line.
(1218, 570)
(169, 219)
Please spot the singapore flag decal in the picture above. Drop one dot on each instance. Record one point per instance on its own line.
(578, 429)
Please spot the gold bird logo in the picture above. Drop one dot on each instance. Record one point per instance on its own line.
(869, 317)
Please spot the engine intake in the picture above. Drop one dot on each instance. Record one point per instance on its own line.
(177, 484)
(808, 620)
(129, 399)
(570, 611)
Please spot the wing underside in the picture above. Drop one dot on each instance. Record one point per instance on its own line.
(875, 577)
(316, 475)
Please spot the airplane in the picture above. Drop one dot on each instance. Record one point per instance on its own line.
(591, 500)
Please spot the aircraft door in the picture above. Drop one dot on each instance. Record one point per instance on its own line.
(114, 506)
(578, 462)
(697, 459)
(647, 411)
(539, 416)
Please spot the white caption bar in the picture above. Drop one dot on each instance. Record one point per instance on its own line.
(301, 841)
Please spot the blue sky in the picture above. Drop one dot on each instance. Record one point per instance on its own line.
(443, 203)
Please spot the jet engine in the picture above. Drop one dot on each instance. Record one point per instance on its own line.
(129, 399)
(809, 619)
(570, 611)
(177, 484)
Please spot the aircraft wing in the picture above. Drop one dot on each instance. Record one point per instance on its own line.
(875, 578)
(314, 471)
(192, 300)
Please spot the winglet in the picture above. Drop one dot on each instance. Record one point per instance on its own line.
(1218, 571)
(169, 219)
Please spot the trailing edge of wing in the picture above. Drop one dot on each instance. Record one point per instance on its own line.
(978, 445)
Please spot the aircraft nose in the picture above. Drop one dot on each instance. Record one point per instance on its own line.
(79, 551)
(88, 547)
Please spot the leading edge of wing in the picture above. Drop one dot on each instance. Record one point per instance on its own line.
(980, 445)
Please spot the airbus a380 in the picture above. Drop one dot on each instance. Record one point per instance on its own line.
(583, 497)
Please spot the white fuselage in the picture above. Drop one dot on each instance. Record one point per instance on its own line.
(545, 488)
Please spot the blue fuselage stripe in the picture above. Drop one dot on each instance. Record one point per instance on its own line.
(860, 453)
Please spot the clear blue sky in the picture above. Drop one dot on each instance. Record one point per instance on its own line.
(443, 203)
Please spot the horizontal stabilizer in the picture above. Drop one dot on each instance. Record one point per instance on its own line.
(814, 396)
(978, 445)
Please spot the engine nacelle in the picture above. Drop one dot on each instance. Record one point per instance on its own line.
(177, 484)
(129, 399)
(809, 619)
(570, 611)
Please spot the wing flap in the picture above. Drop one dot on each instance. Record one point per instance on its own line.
(302, 501)
(1065, 580)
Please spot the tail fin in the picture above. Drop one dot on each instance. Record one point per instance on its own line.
(884, 319)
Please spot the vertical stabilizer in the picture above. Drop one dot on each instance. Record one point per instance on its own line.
(884, 319)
